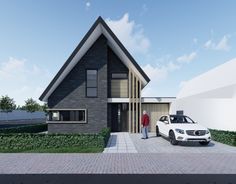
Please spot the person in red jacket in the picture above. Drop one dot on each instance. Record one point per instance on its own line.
(145, 123)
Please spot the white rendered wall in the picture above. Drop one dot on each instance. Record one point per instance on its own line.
(214, 113)
(210, 98)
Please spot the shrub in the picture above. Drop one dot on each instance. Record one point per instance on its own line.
(105, 133)
(26, 129)
(28, 142)
(31, 142)
(226, 137)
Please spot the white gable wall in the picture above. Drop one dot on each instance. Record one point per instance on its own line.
(214, 113)
(210, 98)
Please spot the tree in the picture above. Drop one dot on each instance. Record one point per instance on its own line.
(7, 104)
(44, 108)
(31, 105)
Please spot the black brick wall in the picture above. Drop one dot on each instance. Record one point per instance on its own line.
(71, 93)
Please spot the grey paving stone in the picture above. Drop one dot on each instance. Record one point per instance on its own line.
(160, 145)
(121, 141)
(118, 163)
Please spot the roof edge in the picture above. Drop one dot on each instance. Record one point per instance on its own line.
(95, 24)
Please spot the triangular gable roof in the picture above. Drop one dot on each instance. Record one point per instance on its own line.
(98, 28)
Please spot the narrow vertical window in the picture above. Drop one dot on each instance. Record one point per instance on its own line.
(91, 83)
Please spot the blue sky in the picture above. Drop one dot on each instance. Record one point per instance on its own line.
(173, 41)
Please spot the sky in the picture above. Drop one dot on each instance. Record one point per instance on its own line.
(173, 41)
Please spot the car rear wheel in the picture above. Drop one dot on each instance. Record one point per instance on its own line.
(157, 131)
(172, 138)
(204, 143)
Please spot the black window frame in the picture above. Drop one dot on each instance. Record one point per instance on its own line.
(60, 112)
(86, 88)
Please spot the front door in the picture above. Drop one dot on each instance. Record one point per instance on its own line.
(119, 117)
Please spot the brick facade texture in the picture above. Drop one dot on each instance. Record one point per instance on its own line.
(71, 93)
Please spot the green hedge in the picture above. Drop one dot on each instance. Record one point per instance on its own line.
(226, 137)
(105, 133)
(26, 129)
(25, 142)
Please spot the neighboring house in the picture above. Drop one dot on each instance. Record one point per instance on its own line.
(100, 86)
(210, 98)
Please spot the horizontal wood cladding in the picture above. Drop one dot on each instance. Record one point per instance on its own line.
(119, 88)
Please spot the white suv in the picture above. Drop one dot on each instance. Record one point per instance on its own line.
(182, 128)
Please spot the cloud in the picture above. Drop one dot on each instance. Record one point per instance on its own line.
(157, 74)
(130, 34)
(222, 45)
(144, 9)
(9, 69)
(187, 58)
(195, 40)
(22, 80)
(88, 4)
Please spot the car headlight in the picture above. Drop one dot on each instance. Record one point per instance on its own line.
(179, 131)
(207, 131)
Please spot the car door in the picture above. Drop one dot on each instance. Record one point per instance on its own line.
(166, 125)
(160, 124)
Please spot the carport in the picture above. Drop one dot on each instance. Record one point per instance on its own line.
(156, 107)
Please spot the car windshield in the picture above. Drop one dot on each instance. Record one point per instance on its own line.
(180, 119)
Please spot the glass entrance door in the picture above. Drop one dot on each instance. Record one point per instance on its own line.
(119, 117)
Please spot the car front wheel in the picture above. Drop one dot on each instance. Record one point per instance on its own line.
(204, 143)
(172, 138)
(157, 131)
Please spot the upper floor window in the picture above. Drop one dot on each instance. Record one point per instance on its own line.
(91, 83)
(119, 85)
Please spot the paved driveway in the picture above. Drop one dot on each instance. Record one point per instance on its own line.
(160, 145)
(124, 142)
(120, 142)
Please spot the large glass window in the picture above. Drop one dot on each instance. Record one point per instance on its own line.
(91, 85)
(67, 115)
(119, 85)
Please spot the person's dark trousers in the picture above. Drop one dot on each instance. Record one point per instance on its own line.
(145, 132)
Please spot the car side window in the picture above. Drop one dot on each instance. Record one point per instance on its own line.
(166, 119)
(162, 118)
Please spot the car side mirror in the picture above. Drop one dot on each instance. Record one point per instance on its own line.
(166, 122)
(195, 122)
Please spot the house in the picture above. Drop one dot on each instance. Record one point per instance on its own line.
(100, 86)
(210, 98)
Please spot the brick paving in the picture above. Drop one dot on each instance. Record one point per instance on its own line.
(118, 163)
